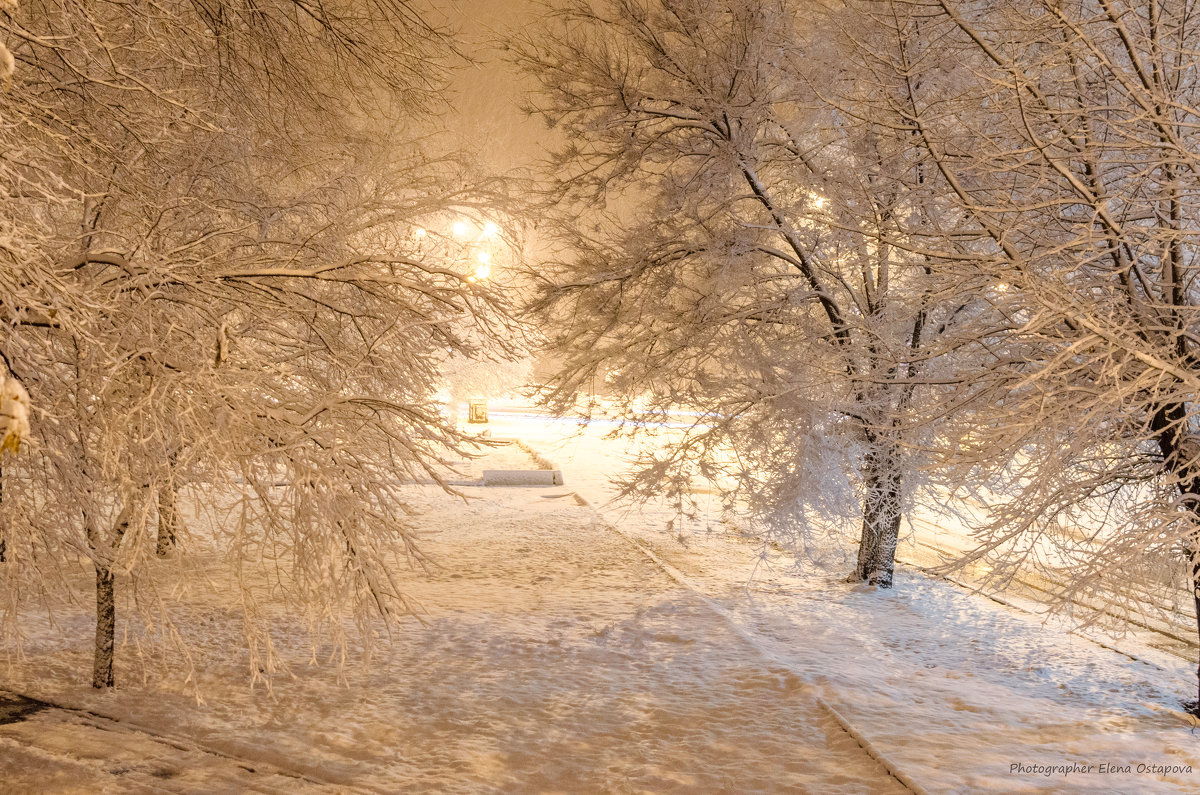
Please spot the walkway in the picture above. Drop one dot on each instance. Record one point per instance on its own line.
(555, 657)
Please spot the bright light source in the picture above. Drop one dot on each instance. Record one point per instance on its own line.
(483, 271)
(484, 256)
(459, 228)
(490, 230)
(420, 233)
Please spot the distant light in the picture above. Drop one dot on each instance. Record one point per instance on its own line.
(482, 272)
(490, 230)
(420, 232)
(460, 228)
(484, 256)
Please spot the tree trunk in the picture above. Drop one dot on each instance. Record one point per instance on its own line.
(881, 515)
(106, 621)
(1169, 421)
(168, 514)
(168, 520)
(3, 522)
(106, 604)
(1194, 560)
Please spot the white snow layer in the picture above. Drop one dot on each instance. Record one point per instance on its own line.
(960, 693)
(556, 654)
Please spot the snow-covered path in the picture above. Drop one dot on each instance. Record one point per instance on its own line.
(960, 693)
(55, 750)
(555, 656)
(572, 649)
(561, 658)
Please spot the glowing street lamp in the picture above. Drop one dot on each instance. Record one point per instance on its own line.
(484, 269)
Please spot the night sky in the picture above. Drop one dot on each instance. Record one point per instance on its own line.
(486, 96)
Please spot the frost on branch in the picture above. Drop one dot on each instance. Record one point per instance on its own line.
(14, 414)
(750, 277)
(263, 346)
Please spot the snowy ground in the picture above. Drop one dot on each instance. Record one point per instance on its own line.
(555, 656)
(951, 687)
(565, 649)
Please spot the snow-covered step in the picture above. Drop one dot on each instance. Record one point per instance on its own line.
(522, 477)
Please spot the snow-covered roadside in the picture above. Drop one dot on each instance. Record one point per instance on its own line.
(964, 694)
(63, 751)
(554, 656)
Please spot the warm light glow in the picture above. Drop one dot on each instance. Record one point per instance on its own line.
(420, 233)
(490, 230)
(482, 272)
(459, 228)
(484, 256)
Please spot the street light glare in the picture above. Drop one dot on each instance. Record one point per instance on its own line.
(484, 256)
(482, 272)
(490, 230)
(459, 228)
(420, 232)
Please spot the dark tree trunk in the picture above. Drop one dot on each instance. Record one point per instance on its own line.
(106, 604)
(1195, 560)
(106, 621)
(1169, 422)
(881, 515)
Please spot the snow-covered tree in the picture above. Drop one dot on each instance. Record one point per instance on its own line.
(749, 254)
(1066, 135)
(213, 294)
